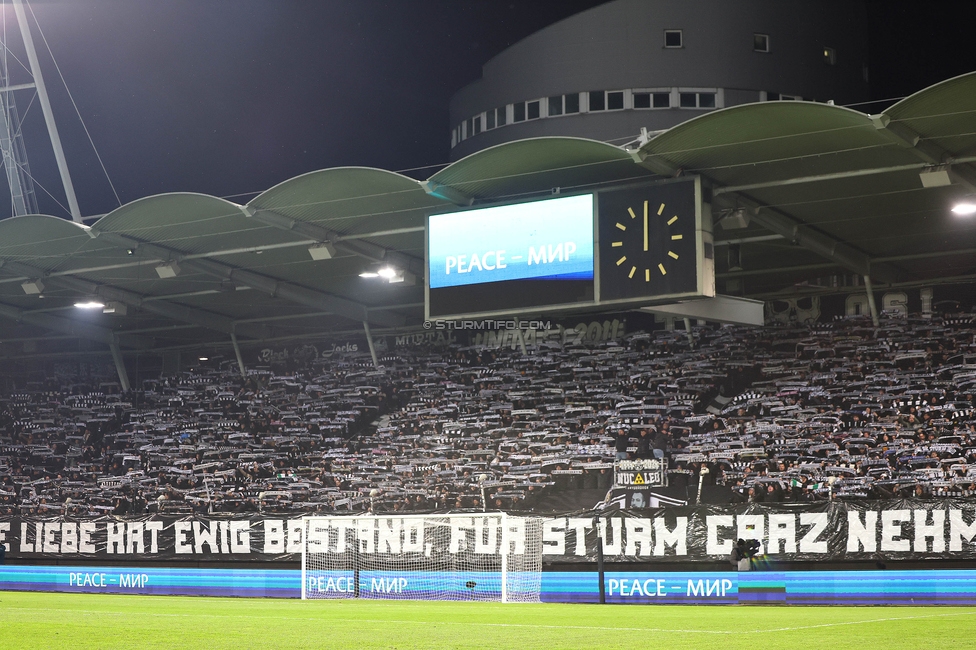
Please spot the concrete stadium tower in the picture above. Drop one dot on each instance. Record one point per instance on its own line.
(628, 65)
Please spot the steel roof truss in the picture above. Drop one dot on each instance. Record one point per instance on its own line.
(259, 282)
(164, 308)
(904, 136)
(73, 328)
(357, 247)
(779, 222)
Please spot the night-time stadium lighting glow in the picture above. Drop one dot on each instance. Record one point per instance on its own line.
(91, 304)
(965, 208)
(386, 272)
(369, 274)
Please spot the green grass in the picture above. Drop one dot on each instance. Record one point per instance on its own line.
(50, 620)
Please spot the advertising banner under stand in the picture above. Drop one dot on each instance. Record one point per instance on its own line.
(830, 531)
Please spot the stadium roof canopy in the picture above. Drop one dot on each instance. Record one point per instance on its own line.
(806, 190)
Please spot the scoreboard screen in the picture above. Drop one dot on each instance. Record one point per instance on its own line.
(510, 257)
(623, 247)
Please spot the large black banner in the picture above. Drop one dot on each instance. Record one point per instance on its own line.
(835, 531)
(153, 538)
(828, 531)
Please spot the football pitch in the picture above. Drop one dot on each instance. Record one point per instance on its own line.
(51, 620)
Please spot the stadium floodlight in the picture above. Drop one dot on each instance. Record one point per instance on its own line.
(404, 278)
(90, 304)
(481, 557)
(323, 251)
(392, 275)
(32, 287)
(117, 308)
(170, 270)
(964, 208)
(935, 177)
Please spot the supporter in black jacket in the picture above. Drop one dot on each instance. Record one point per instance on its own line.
(644, 444)
(621, 443)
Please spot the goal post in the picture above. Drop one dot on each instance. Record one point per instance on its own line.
(486, 557)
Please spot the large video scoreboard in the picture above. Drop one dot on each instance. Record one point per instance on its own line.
(626, 247)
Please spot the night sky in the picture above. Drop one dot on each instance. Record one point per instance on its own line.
(230, 97)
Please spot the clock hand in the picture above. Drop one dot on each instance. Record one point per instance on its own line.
(645, 225)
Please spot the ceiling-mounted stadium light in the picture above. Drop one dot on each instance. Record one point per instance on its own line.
(32, 287)
(170, 270)
(404, 278)
(117, 308)
(391, 275)
(90, 304)
(735, 220)
(323, 251)
(964, 208)
(935, 177)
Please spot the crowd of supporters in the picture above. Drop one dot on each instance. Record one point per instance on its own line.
(844, 410)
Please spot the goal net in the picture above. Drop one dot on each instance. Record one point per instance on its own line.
(490, 557)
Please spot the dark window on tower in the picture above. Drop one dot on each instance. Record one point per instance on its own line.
(556, 105)
(500, 116)
(662, 100)
(830, 56)
(489, 120)
(760, 42)
(642, 100)
(672, 38)
(706, 100)
(519, 112)
(597, 100)
(615, 100)
(572, 103)
(533, 109)
(688, 100)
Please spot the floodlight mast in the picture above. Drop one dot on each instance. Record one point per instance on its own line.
(45, 102)
(22, 200)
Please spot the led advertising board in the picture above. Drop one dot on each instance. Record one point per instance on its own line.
(893, 587)
(509, 257)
